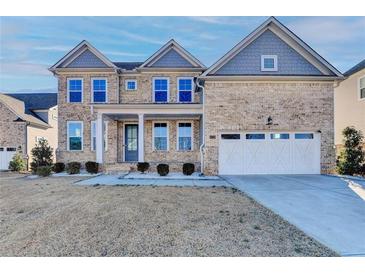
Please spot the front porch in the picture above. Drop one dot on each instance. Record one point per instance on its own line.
(154, 133)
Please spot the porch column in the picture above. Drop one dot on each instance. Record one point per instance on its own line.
(99, 139)
(140, 137)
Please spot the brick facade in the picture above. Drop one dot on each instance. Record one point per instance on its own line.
(245, 106)
(12, 134)
(143, 94)
(118, 94)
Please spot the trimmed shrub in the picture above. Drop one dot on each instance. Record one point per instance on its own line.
(42, 155)
(188, 168)
(44, 171)
(73, 168)
(351, 157)
(143, 166)
(59, 167)
(92, 167)
(17, 163)
(163, 169)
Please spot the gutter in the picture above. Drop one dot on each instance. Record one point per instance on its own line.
(202, 146)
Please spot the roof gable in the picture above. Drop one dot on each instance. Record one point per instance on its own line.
(302, 53)
(172, 59)
(87, 59)
(172, 55)
(248, 60)
(84, 55)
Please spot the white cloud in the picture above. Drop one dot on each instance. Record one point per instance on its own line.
(207, 36)
(329, 29)
(53, 48)
(141, 38)
(24, 68)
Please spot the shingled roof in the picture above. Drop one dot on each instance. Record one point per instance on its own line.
(18, 108)
(35, 101)
(127, 65)
(355, 68)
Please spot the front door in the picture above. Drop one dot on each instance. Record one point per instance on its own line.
(131, 143)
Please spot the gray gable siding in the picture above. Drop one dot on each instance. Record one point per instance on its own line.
(172, 59)
(248, 61)
(87, 59)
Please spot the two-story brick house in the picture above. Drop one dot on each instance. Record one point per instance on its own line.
(264, 107)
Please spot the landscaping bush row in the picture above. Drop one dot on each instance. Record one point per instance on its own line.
(164, 169)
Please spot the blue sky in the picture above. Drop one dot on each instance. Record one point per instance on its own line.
(29, 45)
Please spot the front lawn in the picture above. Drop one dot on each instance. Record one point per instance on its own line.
(52, 217)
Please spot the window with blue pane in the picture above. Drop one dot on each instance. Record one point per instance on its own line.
(99, 90)
(160, 136)
(185, 136)
(75, 90)
(185, 90)
(269, 63)
(74, 135)
(131, 85)
(161, 90)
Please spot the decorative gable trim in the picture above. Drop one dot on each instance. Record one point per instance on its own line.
(77, 51)
(288, 37)
(172, 45)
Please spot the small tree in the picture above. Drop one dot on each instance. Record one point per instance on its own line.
(42, 155)
(17, 163)
(351, 157)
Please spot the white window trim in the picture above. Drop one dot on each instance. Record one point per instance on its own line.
(359, 88)
(168, 88)
(275, 57)
(192, 88)
(105, 135)
(130, 80)
(167, 136)
(82, 135)
(68, 90)
(92, 89)
(192, 134)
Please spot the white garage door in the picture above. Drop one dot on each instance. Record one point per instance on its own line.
(6, 154)
(269, 153)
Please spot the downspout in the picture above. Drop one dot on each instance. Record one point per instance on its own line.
(203, 129)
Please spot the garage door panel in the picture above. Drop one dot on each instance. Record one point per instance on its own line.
(280, 157)
(278, 153)
(6, 155)
(254, 156)
(231, 157)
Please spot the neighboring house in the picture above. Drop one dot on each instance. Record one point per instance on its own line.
(24, 119)
(350, 102)
(264, 107)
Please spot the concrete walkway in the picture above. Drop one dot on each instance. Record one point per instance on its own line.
(322, 206)
(116, 180)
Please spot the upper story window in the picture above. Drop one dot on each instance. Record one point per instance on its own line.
(75, 135)
(160, 136)
(362, 88)
(184, 136)
(161, 90)
(130, 84)
(74, 90)
(269, 63)
(99, 90)
(185, 89)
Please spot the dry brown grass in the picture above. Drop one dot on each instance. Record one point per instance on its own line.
(52, 217)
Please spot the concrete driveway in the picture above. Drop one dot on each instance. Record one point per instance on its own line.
(322, 206)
